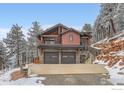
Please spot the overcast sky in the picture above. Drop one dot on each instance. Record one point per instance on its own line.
(72, 15)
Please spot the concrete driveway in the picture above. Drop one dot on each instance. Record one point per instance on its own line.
(70, 74)
(85, 79)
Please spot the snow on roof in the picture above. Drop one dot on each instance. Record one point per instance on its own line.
(116, 36)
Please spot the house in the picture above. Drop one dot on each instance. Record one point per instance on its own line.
(62, 45)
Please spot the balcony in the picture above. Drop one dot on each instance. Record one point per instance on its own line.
(49, 41)
(50, 36)
(59, 46)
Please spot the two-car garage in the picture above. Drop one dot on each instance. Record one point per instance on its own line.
(53, 57)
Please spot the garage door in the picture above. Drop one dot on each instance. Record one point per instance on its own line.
(51, 58)
(68, 58)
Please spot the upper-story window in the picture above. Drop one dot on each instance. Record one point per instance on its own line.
(49, 41)
(70, 37)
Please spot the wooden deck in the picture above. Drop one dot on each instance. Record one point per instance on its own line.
(66, 69)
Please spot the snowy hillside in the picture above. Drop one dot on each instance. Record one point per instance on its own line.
(5, 79)
(112, 55)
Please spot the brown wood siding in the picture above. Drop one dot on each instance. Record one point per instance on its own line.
(52, 32)
(75, 38)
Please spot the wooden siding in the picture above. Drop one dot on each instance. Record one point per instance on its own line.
(52, 32)
(74, 41)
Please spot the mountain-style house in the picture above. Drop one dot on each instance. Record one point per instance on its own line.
(62, 45)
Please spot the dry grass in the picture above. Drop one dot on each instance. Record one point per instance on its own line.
(18, 74)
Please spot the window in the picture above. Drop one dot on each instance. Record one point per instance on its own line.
(70, 37)
(49, 42)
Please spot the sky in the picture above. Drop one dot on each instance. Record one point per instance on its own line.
(72, 15)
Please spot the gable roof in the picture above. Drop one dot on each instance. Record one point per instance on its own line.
(73, 30)
(86, 34)
(55, 26)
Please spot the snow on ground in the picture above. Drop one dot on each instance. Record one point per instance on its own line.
(119, 53)
(5, 79)
(119, 36)
(115, 77)
(101, 41)
(99, 62)
(12, 62)
(28, 81)
(116, 72)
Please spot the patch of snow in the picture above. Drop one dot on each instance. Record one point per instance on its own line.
(99, 62)
(96, 47)
(116, 36)
(121, 38)
(1, 72)
(12, 62)
(28, 81)
(102, 41)
(119, 53)
(115, 78)
(116, 72)
(33, 75)
(99, 42)
(6, 76)
(5, 79)
(26, 66)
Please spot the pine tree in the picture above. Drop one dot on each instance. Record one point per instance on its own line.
(110, 21)
(85, 41)
(87, 28)
(34, 31)
(15, 42)
(3, 56)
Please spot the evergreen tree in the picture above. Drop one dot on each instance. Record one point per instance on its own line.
(3, 56)
(15, 42)
(34, 31)
(87, 28)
